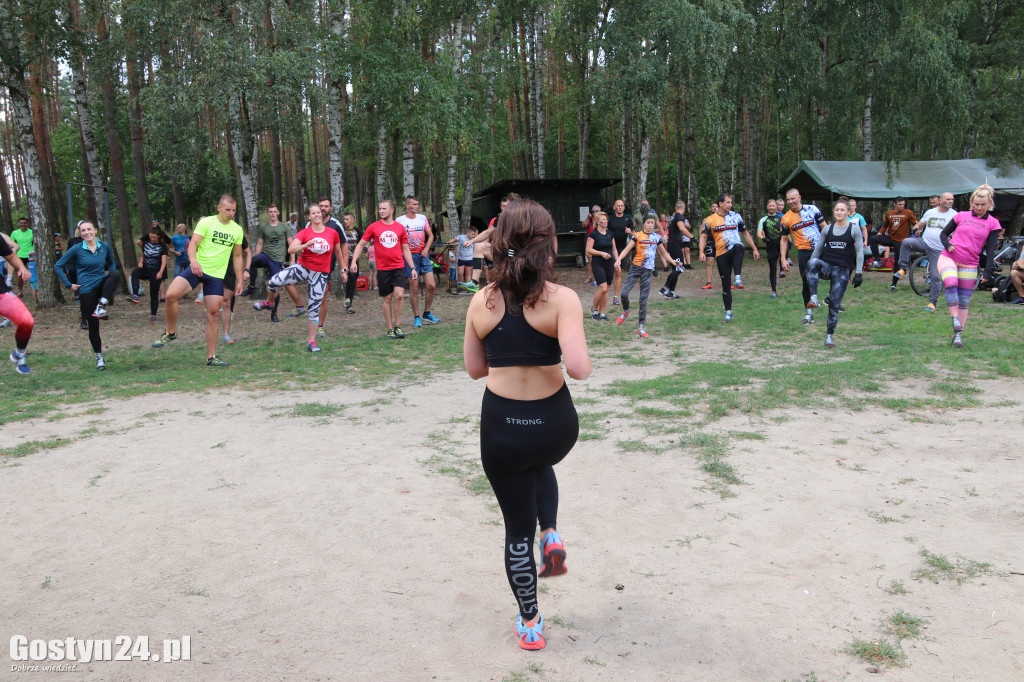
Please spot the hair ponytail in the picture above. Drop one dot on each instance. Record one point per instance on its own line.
(523, 250)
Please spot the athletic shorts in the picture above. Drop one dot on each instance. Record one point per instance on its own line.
(466, 263)
(604, 270)
(422, 264)
(389, 280)
(212, 286)
(709, 249)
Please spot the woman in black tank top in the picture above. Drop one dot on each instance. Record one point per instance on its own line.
(603, 253)
(839, 251)
(517, 330)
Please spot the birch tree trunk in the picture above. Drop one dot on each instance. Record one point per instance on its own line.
(408, 165)
(382, 162)
(243, 145)
(21, 106)
(335, 87)
(640, 186)
(454, 222)
(869, 124)
(537, 55)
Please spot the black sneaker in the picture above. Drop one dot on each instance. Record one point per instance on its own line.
(85, 325)
(216, 362)
(274, 317)
(248, 291)
(398, 332)
(391, 336)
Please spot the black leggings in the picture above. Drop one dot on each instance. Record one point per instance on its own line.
(729, 262)
(885, 240)
(87, 300)
(803, 257)
(675, 249)
(154, 287)
(772, 248)
(520, 442)
(350, 285)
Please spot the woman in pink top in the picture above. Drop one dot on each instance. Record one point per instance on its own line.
(964, 238)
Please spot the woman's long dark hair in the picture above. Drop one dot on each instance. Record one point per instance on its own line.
(523, 250)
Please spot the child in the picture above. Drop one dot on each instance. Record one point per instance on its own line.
(648, 243)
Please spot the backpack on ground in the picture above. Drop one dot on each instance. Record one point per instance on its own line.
(1002, 289)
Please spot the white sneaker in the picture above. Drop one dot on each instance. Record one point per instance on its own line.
(99, 362)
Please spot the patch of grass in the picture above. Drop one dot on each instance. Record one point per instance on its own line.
(524, 675)
(877, 652)
(638, 446)
(33, 446)
(882, 518)
(561, 622)
(910, 538)
(747, 435)
(218, 445)
(197, 592)
(973, 492)
(593, 661)
(967, 470)
(839, 441)
(896, 587)
(316, 409)
(902, 625)
(46, 582)
(938, 567)
(95, 479)
(906, 480)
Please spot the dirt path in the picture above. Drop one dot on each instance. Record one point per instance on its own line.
(313, 547)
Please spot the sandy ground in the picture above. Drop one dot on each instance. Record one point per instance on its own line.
(329, 548)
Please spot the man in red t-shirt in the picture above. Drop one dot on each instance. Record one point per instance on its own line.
(391, 247)
(316, 246)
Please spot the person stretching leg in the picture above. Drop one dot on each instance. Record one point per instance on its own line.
(648, 244)
(517, 331)
(12, 308)
(840, 250)
(725, 227)
(98, 277)
(963, 239)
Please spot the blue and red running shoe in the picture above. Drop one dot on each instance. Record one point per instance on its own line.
(531, 637)
(552, 552)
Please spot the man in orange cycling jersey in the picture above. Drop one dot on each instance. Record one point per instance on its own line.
(726, 227)
(802, 224)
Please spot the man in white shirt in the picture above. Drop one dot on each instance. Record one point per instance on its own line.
(932, 222)
(421, 238)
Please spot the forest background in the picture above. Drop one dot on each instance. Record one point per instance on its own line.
(170, 103)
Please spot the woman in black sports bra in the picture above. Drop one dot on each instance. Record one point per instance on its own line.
(519, 331)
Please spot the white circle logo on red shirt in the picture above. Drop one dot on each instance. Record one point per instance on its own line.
(320, 245)
(388, 239)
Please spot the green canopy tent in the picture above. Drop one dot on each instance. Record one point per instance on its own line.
(823, 180)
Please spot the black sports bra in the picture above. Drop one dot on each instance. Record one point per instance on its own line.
(514, 343)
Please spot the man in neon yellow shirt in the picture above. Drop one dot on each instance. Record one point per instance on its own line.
(216, 242)
(23, 238)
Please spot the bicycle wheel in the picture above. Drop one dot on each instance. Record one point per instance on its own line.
(920, 280)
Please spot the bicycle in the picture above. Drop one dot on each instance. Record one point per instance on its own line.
(920, 278)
